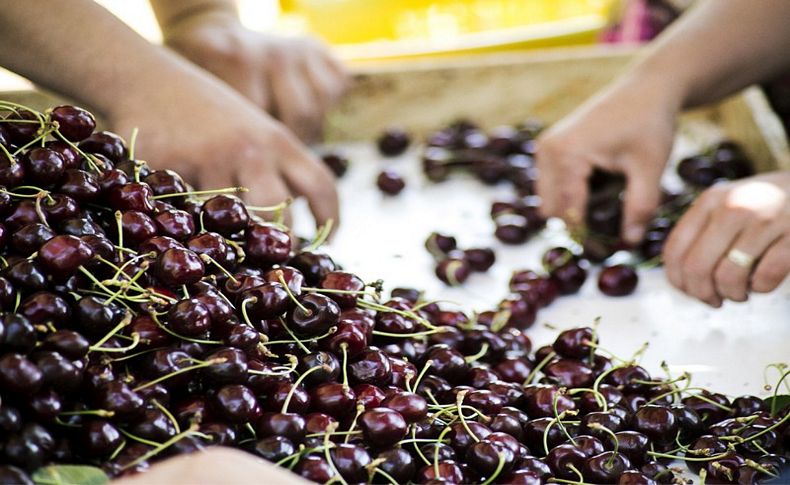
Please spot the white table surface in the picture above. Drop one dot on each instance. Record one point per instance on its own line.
(725, 349)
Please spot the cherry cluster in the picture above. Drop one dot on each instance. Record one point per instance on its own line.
(142, 319)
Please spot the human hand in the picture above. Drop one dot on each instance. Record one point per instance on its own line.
(628, 128)
(212, 466)
(215, 138)
(295, 79)
(750, 217)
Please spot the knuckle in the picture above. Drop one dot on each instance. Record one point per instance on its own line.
(768, 277)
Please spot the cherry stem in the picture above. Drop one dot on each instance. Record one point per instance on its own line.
(360, 410)
(167, 413)
(245, 316)
(229, 190)
(459, 399)
(408, 335)
(481, 353)
(577, 472)
(436, 450)
(200, 365)
(760, 468)
(408, 314)
(740, 440)
(337, 292)
(538, 368)
(321, 236)
(656, 454)
(498, 470)
(385, 475)
(329, 430)
(311, 339)
(291, 295)
(190, 431)
(611, 433)
(296, 384)
(600, 399)
(424, 369)
(144, 441)
(558, 416)
(774, 401)
(294, 337)
(102, 413)
(132, 346)
(209, 260)
(132, 143)
(155, 318)
(501, 317)
(118, 450)
(126, 320)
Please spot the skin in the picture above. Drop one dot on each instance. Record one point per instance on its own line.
(629, 127)
(189, 119)
(296, 79)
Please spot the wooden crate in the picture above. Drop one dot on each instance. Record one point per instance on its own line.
(510, 88)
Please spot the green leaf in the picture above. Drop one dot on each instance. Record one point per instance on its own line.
(70, 475)
(778, 402)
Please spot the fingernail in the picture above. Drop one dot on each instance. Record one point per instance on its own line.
(633, 234)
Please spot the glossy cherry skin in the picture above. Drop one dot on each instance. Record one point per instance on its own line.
(605, 467)
(569, 277)
(485, 457)
(350, 461)
(460, 439)
(178, 266)
(452, 271)
(137, 227)
(393, 141)
(561, 457)
(315, 469)
(383, 426)
(74, 123)
(390, 182)
(267, 244)
(411, 406)
(164, 182)
(225, 214)
(289, 425)
(371, 367)
(237, 404)
(313, 266)
(657, 422)
(189, 317)
(63, 255)
(448, 472)
(333, 398)
(569, 373)
(618, 280)
(106, 143)
(540, 400)
(44, 167)
(398, 463)
(340, 280)
(30, 238)
(119, 398)
(321, 314)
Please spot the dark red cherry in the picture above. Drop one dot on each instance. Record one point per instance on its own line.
(440, 245)
(569, 373)
(137, 227)
(74, 123)
(447, 471)
(592, 422)
(452, 271)
(486, 457)
(561, 458)
(398, 463)
(106, 143)
(45, 307)
(709, 413)
(289, 425)
(30, 238)
(575, 343)
(460, 438)
(59, 207)
(657, 422)
(267, 244)
(18, 375)
(371, 367)
(512, 228)
(132, 196)
(313, 266)
(315, 469)
(383, 426)
(175, 223)
(44, 167)
(165, 182)
(176, 267)
(118, 398)
(617, 280)
(100, 438)
(315, 316)
(80, 185)
(274, 448)
(480, 259)
(342, 281)
(237, 403)
(333, 398)
(393, 142)
(411, 406)
(336, 162)
(606, 467)
(540, 401)
(225, 214)
(95, 317)
(189, 317)
(351, 461)
(390, 182)
(27, 274)
(63, 255)
(569, 277)
(24, 132)
(629, 378)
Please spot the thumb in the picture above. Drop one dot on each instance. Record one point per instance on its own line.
(641, 198)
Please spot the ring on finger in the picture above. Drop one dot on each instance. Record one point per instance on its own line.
(741, 258)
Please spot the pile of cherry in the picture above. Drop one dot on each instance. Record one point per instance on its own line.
(142, 319)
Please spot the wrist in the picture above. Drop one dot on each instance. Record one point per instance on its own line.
(215, 13)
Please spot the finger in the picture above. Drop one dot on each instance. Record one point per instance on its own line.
(546, 168)
(295, 102)
(685, 232)
(773, 268)
(326, 83)
(266, 188)
(640, 200)
(731, 279)
(562, 185)
(707, 250)
(309, 177)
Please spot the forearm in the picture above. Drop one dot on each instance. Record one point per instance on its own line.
(84, 52)
(717, 48)
(170, 13)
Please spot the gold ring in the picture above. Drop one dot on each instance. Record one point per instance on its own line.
(740, 258)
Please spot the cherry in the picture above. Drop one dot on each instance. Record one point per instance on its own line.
(118, 398)
(165, 182)
(453, 271)
(522, 312)
(269, 300)
(45, 307)
(267, 244)
(592, 421)
(106, 143)
(177, 266)
(575, 343)
(350, 461)
(59, 207)
(21, 133)
(79, 185)
(633, 477)
(27, 274)
(709, 413)
(336, 162)
(658, 472)
(340, 280)
(440, 245)
(332, 398)
(137, 227)
(189, 317)
(486, 457)
(390, 182)
(44, 167)
(18, 375)
(80, 227)
(327, 364)
(29, 238)
(747, 406)
(313, 266)
(63, 255)
(236, 403)
(383, 426)
(657, 422)
(617, 280)
(290, 425)
(627, 378)
(274, 448)
(569, 373)
(371, 367)
(440, 451)
(411, 406)
(225, 214)
(460, 438)
(398, 463)
(74, 123)
(94, 317)
(562, 457)
(393, 141)
(100, 438)
(68, 343)
(605, 467)
(315, 315)
(155, 426)
(175, 223)
(512, 228)
(447, 363)
(447, 471)
(212, 245)
(522, 477)
(480, 259)
(315, 469)
(232, 369)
